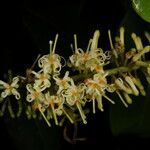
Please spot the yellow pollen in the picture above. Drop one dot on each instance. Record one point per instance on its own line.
(98, 68)
(63, 83)
(86, 56)
(36, 94)
(9, 87)
(102, 82)
(42, 77)
(35, 106)
(74, 93)
(51, 59)
(94, 85)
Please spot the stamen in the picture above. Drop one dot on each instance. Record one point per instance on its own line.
(122, 35)
(136, 40)
(93, 102)
(128, 98)
(109, 99)
(51, 45)
(81, 113)
(54, 114)
(70, 119)
(122, 99)
(36, 60)
(95, 39)
(99, 101)
(140, 43)
(89, 44)
(54, 47)
(49, 114)
(147, 36)
(142, 52)
(131, 83)
(121, 85)
(75, 42)
(138, 83)
(110, 39)
(48, 123)
(111, 45)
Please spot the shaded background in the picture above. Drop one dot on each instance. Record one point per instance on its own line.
(26, 29)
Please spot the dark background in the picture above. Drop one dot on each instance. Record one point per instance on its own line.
(26, 29)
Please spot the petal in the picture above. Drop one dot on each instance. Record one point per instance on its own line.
(58, 112)
(66, 75)
(47, 96)
(60, 89)
(16, 93)
(56, 78)
(41, 98)
(37, 83)
(36, 74)
(100, 104)
(14, 82)
(29, 98)
(42, 61)
(47, 69)
(3, 83)
(29, 88)
(17, 96)
(42, 88)
(70, 101)
(4, 94)
(47, 83)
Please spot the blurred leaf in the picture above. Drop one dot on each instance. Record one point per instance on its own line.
(142, 7)
(33, 134)
(134, 120)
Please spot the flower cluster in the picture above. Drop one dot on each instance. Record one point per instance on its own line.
(92, 59)
(52, 95)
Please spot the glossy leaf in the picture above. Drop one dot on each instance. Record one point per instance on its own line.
(133, 120)
(142, 7)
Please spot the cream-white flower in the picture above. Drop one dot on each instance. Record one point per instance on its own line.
(94, 65)
(93, 58)
(34, 93)
(137, 41)
(10, 89)
(122, 86)
(111, 88)
(96, 89)
(56, 104)
(129, 80)
(98, 83)
(74, 95)
(51, 63)
(42, 79)
(63, 83)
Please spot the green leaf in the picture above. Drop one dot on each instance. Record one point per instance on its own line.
(142, 7)
(133, 120)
